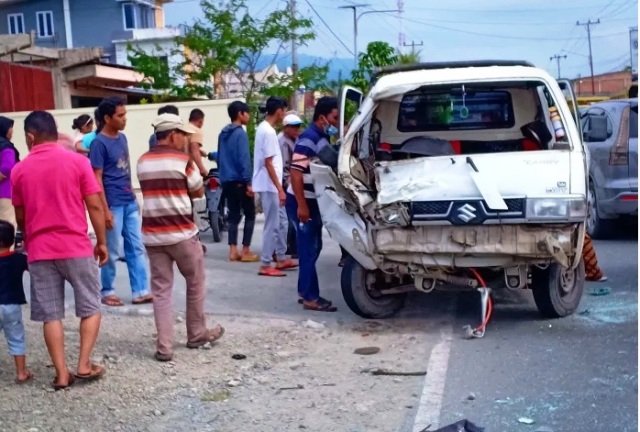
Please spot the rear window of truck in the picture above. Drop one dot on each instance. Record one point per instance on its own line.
(455, 111)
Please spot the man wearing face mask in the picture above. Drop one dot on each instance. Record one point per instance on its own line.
(302, 205)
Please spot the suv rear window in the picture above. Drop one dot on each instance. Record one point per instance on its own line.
(455, 111)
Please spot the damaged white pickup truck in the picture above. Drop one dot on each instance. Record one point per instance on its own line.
(458, 176)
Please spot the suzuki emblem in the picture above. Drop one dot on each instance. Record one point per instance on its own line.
(466, 213)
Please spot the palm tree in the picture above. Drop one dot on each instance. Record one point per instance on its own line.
(410, 58)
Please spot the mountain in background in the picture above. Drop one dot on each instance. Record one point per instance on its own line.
(338, 67)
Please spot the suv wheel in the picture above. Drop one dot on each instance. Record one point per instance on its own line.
(362, 297)
(557, 290)
(597, 228)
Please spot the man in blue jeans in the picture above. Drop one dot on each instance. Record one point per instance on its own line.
(302, 205)
(109, 156)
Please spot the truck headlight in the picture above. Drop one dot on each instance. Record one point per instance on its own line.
(557, 209)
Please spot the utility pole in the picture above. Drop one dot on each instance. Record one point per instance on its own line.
(355, 29)
(588, 25)
(557, 58)
(294, 57)
(413, 46)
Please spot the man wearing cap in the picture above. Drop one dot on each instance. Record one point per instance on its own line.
(292, 125)
(169, 181)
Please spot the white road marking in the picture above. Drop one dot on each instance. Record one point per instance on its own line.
(430, 403)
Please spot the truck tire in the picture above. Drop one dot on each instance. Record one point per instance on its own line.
(358, 297)
(597, 228)
(557, 290)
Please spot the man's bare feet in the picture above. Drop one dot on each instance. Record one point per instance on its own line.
(24, 376)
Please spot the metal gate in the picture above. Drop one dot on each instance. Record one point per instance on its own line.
(25, 88)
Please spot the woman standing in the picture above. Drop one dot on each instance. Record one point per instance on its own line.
(9, 156)
(83, 125)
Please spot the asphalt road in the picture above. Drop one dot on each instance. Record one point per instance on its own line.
(573, 374)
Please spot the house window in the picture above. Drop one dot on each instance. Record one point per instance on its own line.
(16, 23)
(129, 16)
(44, 20)
(148, 18)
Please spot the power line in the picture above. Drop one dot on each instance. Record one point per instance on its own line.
(588, 25)
(328, 27)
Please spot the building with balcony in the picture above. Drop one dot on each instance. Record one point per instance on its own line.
(108, 24)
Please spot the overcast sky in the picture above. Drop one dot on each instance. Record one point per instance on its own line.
(531, 30)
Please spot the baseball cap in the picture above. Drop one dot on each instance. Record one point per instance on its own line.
(166, 122)
(291, 120)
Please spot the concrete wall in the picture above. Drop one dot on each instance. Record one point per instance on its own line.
(138, 130)
(29, 10)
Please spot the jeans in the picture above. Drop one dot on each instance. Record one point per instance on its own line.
(237, 200)
(292, 246)
(274, 238)
(309, 239)
(127, 222)
(11, 323)
(189, 258)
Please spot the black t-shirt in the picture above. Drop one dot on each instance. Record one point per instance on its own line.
(12, 267)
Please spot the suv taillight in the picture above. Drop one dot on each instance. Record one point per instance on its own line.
(619, 153)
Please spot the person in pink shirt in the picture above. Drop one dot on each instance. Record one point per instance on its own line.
(51, 188)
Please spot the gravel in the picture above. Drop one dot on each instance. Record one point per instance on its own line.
(296, 375)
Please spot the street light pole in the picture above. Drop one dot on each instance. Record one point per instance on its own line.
(356, 18)
(355, 29)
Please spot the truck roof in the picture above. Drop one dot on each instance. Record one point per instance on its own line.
(448, 65)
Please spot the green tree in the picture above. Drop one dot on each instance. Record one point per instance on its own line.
(378, 54)
(408, 59)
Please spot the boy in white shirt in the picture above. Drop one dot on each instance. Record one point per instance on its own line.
(267, 181)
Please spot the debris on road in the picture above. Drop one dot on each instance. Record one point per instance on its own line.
(387, 372)
(461, 426)
(367, 351)
(298, 387)
(238, 356)
(601, 291)
(584, 312)
(526, 420)
(471, 396)
(313, 325)
(219, 396)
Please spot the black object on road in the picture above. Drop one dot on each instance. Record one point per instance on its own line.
(461, 426)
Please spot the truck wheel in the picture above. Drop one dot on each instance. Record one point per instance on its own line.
(597, 228)
(214, 221)
(361, 293)
(557, 290)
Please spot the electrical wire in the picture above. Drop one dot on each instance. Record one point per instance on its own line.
(328, 27)
(483, 325)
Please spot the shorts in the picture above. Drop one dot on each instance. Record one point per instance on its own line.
(47, 288)
(11, 323)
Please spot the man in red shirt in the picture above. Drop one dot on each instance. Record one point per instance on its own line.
(51, 188)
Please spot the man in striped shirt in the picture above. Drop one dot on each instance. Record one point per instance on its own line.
(302, 205)
(169, 180)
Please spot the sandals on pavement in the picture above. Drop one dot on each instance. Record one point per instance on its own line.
(58, 387)
(210, 336)
(143, 300)
(301, 300)
(249, 258)
(28, 378)
(95, 373)
(320, 305)
(112, 300)
(270, 271)
(163, 357)
(286, 265)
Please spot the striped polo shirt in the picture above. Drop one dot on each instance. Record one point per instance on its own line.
(166, 177)
(308, 145)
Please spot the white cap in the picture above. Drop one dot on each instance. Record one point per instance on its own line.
(291, 120)
(167, 122)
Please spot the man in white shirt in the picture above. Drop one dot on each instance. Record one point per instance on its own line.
(291, 128)
(267, 181)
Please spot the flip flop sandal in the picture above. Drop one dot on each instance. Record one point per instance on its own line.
(250, 258)
(143, 300)
(96, 373)
(320, 306)
(58, 387)
(112, 301)
(287, 265)
(26, 380)
(272, 272)
(210, 336)
(301, 300)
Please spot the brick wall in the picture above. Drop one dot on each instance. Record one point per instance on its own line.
(605, 84)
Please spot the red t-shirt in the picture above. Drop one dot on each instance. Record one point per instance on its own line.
(51, 183)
